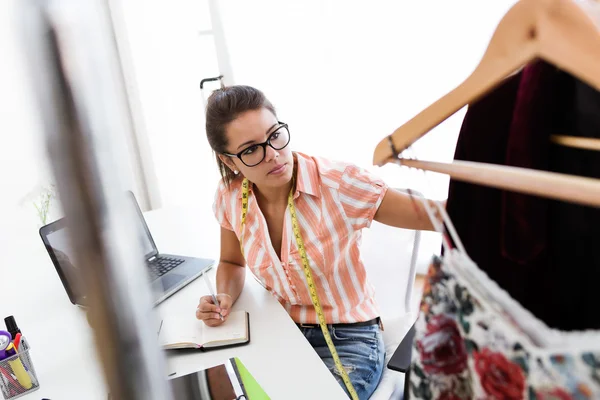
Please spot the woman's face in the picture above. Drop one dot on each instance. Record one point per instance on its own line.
(252, 128)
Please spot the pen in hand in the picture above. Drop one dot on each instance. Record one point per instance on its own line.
(212, 293)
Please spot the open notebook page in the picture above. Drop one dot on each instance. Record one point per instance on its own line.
(235, 329)
(184, 331)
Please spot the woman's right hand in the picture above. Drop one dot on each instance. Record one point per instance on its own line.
(208, 312)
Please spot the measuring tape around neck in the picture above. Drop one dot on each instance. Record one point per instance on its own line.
(309, 279)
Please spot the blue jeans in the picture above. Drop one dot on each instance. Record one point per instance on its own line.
(361, 351)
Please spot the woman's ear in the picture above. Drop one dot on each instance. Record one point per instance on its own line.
(229, 162)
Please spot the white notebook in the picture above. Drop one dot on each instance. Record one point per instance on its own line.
(185, 332)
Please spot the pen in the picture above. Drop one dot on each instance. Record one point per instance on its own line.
(212, 293)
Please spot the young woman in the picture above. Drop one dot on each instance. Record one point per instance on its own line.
(333, 201)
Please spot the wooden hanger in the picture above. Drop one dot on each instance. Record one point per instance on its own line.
(574, 189)
(558, 31)
(576, 142)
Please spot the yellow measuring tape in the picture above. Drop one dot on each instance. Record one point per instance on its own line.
(309, 279)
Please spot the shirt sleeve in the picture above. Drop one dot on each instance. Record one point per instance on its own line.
(220, 207)
(361, 194)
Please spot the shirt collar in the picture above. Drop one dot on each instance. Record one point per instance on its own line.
(307, 176)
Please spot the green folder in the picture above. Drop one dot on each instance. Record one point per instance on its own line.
(251, 387)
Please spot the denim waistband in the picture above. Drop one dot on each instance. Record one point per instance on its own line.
(374, 321)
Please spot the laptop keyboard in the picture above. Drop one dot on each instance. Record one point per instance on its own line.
(161, 265)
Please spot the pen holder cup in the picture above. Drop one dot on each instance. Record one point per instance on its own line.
(17, 375)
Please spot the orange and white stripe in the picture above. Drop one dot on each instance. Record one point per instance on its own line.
(333, 201)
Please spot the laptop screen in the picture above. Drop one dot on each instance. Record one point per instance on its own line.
(60, 243)
(57, 238)
(146, 242)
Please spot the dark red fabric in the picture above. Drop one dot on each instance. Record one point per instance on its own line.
(543, 252)
(475, 209)
(535, 117)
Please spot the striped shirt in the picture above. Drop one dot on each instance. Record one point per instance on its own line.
(333, 201)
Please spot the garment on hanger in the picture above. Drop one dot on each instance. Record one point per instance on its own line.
(540, 251)
(473, 338)
(466, 347)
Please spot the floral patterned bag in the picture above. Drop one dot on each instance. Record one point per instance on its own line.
(473, 341)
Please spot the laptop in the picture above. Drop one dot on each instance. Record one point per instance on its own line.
(167, 273)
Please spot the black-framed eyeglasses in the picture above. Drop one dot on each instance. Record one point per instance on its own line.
(255, 154)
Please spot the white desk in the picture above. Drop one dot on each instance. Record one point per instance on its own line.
(278, 356)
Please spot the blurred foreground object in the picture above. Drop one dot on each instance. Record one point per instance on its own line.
(74, 70)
